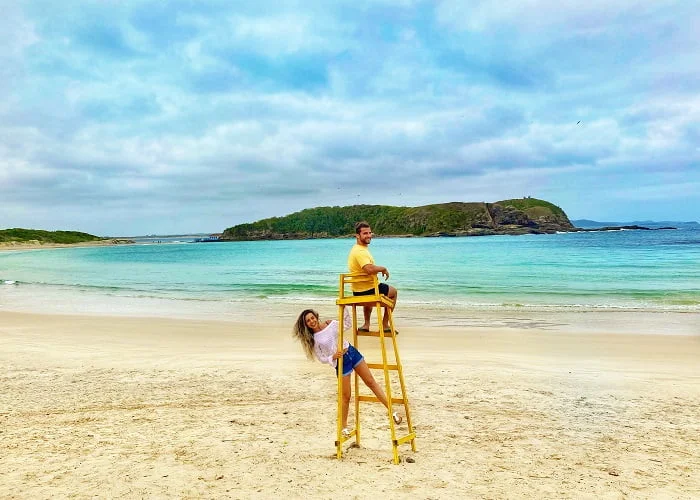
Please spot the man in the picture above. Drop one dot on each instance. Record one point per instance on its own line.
(360, 260)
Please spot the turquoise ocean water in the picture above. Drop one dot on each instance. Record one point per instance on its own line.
(616, 270)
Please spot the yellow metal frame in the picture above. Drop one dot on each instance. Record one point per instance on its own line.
(379, 301)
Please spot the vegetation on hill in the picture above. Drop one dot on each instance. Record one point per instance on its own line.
(526, 215)
(63, 237)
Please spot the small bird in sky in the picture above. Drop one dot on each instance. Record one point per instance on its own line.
(578, 122)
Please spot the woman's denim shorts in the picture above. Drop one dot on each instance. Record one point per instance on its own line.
(351, 359)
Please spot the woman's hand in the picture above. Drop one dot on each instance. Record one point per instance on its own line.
(327, 322)
(339, 354)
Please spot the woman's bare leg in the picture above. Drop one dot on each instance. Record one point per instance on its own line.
(366, 375)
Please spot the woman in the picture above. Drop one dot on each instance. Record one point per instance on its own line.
(320, 340)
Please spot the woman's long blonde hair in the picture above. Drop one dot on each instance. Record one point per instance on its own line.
(304, 334)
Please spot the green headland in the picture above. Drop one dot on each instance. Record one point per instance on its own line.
(40, 236)
(517, 216)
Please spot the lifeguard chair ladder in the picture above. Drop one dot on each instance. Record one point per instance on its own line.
(346, 299)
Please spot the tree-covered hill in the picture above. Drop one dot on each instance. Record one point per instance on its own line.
(519, 216)
(20, 235)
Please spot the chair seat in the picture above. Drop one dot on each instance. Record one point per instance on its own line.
(364, 300)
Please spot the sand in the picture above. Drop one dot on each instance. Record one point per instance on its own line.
(96, 406)
(38, 245)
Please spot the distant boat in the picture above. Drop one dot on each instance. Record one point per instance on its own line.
(207, 239)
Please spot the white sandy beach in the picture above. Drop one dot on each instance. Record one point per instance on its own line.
(97, 406)
(38, 245)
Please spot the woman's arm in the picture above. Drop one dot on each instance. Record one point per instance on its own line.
(347, 319)
(323, 355)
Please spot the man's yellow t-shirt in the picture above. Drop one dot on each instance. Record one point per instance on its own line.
(359, 257)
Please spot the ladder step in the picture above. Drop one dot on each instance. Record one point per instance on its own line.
(364, 300)
(368, 398)
(373, 399)
(379, 366)
(374, 334)
(406, 439)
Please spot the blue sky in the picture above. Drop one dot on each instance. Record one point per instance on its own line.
(134, 117)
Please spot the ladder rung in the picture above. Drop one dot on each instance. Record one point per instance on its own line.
(368, 398)
(373, 334)
(379, 366)
(405, 439)
(372, 399)
(352, 434)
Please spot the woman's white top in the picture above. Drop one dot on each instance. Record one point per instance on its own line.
(326, 341)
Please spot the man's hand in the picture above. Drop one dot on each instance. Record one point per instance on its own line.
(373, 269)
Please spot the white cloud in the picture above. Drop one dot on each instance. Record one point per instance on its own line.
(212, 114)
(591, 17)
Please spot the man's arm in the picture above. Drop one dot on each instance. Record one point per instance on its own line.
(372, 269)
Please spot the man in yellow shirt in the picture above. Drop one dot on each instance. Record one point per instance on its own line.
(361, 261)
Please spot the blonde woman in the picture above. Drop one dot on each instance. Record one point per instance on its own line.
(320, 340)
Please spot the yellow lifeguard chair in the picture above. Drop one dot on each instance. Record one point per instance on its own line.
(346, 299)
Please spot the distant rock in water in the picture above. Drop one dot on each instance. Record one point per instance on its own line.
(620, 228)
(516, 216)
(649, 224)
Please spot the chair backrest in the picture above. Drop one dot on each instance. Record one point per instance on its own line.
(349, 278)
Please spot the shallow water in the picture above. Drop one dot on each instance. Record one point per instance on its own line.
(617, 270)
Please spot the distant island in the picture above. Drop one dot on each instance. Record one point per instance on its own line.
(517, 216)
(508, 217)
(37, 237)
(512, 217)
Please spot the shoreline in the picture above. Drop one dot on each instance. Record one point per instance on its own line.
(37, 245)
(34, 245)
(466, 233)
(622, 321)
(542, 338)
(124, 406)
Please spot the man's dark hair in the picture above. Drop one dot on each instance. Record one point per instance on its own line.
(360, 225)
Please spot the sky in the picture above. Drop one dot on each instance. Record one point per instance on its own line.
(149, 117)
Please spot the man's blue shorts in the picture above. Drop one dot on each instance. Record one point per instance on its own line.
(383, 289)
(351, 359)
